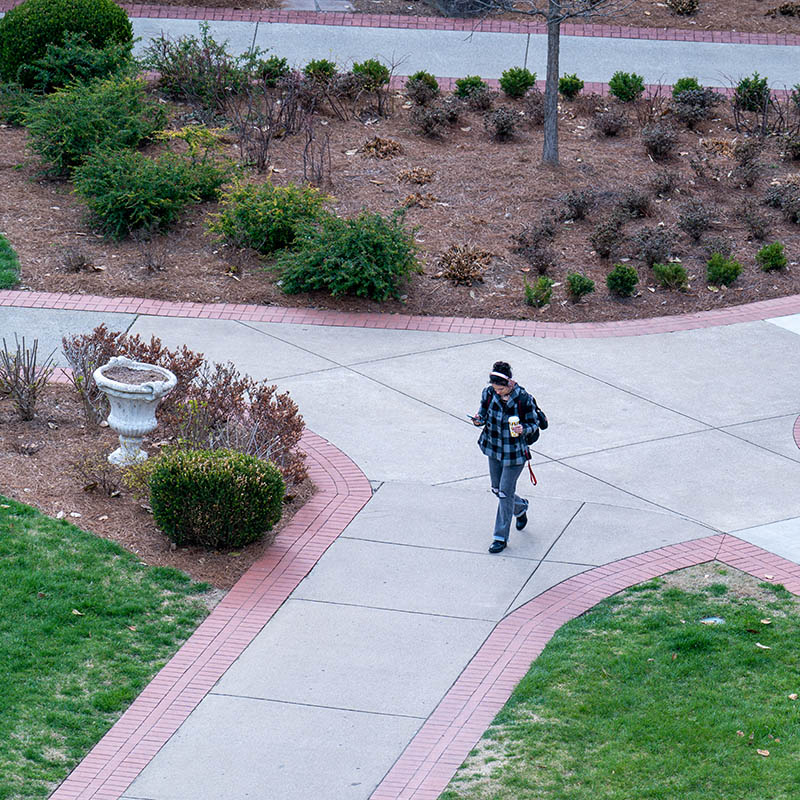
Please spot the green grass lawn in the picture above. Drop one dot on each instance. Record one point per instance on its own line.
(9, 264)
(83, 627)
(637, 700)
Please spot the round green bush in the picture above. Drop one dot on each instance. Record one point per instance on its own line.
(622, 280)
(579, 285)
(570, 86)
(215, 498)
(771, 257)
(721, 271)
(25, 31)
(372, 73)
(626, 86)
(266, 217)
(516, 81)
(367, 256)
(464, 87)
(687, 84)
(671, 275)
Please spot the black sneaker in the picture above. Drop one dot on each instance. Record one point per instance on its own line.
(497, 546)
(522, 520)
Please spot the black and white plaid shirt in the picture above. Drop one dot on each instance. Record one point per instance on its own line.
(496, 440)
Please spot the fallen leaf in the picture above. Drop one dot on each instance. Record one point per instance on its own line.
(279, 171)
(131, 627)
(75, 514)
(60, 515)
(377, 183)
(793, 696)
(770, 577)
(740, 733)
(763, 646)
(103, 518)
(766, 622)
(4, 505)
(467, 129)
(674, 656)
(350, 152)
(76, 612)
(764, 753)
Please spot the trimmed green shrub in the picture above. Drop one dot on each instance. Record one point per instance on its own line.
(9, 264)
(622, 280)
(266, 217)
(752, 93)
(671, 275)
(320, 70)
(685, 85)
(516, 81)
(626, 86)
(721, 271)
(367, 256)
(25, 31)
(372, 74)
(540, 293)
(579, 285)
(272, 69)
(113, 113)
(771, 257)
(215, 498)
(464, 87)
(570, 86)
(75, 60)
(126, 191)
(422, 87)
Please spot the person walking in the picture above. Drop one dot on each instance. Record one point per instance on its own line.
(508, 415)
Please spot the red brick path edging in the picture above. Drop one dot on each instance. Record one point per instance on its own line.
(763, 309)
(110, 767)
(350, 19)
(431, 759)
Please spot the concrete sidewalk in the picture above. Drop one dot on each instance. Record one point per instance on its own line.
(654, 440)
(453, 54)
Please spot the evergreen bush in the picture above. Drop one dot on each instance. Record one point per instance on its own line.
(622, 280)
(626, 86)
(67, 125)
(570, 86)
(422, 87)
(540, 293)
(579, 286)
(367, 256)
(27, 29)
(266, 217)
(516, 81)
(771, 257)
(464, 87)
(127, 191)
(671, 275)
(721, 271)
(685, 85)
(9, 264)
(217, 499)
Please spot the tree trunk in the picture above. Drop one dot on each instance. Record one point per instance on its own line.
(550, 149)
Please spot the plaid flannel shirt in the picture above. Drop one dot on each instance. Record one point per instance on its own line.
(496, 440)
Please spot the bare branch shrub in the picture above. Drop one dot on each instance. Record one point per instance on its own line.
(317, 158)
(22, 378)
(94, 471)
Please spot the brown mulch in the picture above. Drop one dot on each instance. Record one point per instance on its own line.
(748, 16)
(37, 461)
(482, 193)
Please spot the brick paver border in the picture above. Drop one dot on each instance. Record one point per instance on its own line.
(764, 309)
(110, 767)
(352, 19)
(431, 759)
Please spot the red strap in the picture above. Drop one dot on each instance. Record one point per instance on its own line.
(533, 477)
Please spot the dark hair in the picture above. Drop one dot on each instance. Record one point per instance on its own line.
(502, 366)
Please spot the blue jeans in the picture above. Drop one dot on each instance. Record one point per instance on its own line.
(504, 484)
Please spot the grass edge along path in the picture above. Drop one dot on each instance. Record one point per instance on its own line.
(9, 264)
(638, 698)
(84, 626)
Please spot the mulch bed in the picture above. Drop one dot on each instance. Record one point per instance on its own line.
(37, 467)
(483, 193)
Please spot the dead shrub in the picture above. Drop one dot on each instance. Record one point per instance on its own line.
(610, 122)
(663, 182)
(634, 203)
(577, 203)
(430, 120)
(607, 237)
(501, 123)
(784, 10)
(756, 221)
(94, 472)
(75, 259)
(481, 99)
(417, 175)
(694, 219)
(426, 200)
(684, 8)
(654, 245)
(463, 265)
(22, 378)
(542, 258)
(533, 107)
(720, 245)
(659, 140)
(381, 148)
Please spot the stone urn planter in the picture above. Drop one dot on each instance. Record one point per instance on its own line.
(134, 389)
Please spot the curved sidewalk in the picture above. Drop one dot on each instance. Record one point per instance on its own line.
(385, 661)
